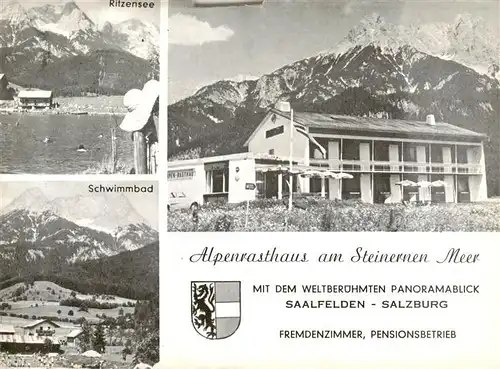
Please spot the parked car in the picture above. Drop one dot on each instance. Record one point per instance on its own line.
(179, 200)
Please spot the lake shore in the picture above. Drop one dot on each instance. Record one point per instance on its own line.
(80, 105)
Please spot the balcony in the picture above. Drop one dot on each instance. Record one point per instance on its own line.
(364, 166)
(45, 332)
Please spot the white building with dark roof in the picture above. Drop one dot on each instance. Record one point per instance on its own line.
(7, 329)
(42, 327)
(372, 159)
(73, 336)
(38, 99)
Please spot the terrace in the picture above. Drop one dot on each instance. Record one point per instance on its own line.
(397, 167)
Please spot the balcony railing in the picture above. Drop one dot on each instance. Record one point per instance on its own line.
(45, 332)
(364, 166)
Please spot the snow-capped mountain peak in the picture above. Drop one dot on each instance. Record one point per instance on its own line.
(32, 199)
(107, 27)
(467, 40)
(78, 228)
(71, 19)
(137, 37)
(45, 14)
(105, 213)
(81, 33)
(69, 7)
(15, 14)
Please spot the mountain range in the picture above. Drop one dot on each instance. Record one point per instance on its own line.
(40, 47)
(131, 274)
(378, 69)
(68, 230)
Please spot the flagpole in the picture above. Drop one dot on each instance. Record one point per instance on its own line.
(291, 162)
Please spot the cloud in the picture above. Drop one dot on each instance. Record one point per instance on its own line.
(188, 30)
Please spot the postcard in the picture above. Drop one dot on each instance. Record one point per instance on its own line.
(333, 185)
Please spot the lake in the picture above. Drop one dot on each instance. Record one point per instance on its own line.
(23, 150)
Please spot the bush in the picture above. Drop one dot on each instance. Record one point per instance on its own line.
(312, 214)
(84, 305)
(224, 223)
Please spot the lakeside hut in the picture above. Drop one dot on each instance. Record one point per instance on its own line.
(36, 99)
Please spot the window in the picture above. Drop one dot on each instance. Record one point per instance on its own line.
(217, 178)
(275, 131)
(381, 151)
(438, 194)
(410, 153)
(315, 185)
(350, 150)
(410, 193)
(436, 153)
(382, 188)
(463, 184)
(462, 155)
(351, 188)
(219, 181)
(261, 184)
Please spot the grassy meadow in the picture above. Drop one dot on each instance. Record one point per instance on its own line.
(42, 299)
(319, 215)
(53, 309)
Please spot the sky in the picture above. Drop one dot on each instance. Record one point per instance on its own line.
(146, 204)
(100, 12)
(211, 44)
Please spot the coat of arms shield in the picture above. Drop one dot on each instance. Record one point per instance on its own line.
(216, 308)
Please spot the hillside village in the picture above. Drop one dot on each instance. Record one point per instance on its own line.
(42, 317)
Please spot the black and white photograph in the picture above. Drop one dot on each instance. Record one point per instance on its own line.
(79, 275)
(79, 87)
(334, 116)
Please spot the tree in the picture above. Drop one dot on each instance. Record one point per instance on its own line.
(126, 351)
(98, 339)
(58, 312)
(47, 345)
(71, 313)
(147, 331)
(148, 350)
(84, 341)
(154, 62)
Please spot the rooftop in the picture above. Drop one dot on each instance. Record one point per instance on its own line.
(42, 94)
(7, 328)
(40, 321)
(25, 339)
(176, 164)
(354, 124)
(74, 333)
